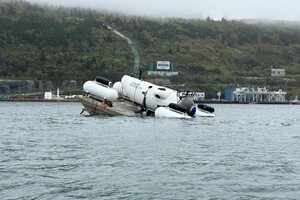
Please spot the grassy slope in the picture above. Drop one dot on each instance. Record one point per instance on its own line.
(58, 44)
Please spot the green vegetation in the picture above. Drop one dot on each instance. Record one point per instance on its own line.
(57, 44)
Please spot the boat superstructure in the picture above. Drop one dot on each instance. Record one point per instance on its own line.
(136, 97)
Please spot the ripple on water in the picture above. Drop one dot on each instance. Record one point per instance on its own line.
(49, 151)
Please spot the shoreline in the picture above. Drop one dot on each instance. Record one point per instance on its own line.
(237, 102)
(39, 100)
(196, 102)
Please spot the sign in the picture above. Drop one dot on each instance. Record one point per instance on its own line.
(163, 65)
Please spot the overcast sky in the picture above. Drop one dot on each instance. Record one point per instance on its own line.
(216, 9)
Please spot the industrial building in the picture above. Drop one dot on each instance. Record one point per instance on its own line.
(254, 95)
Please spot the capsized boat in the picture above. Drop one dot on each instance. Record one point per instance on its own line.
(136, 97)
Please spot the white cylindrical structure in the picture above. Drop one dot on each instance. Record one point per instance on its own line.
(57, 93)
(134, 88)
(101, 91)
(155, 95)
(119, 88)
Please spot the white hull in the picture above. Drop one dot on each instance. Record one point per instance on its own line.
(203, 113)
(170, 113)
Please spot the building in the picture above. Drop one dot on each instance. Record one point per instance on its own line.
(277, 72)
(162, 68)
(195, 96)
(254, 95)
(228, 94)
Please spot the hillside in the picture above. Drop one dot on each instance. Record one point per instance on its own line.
(57, 44)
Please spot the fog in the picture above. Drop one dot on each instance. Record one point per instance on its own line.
(215, 9)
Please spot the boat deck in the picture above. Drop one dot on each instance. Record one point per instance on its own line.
(96, 106)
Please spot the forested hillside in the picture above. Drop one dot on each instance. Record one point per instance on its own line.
(57, 44)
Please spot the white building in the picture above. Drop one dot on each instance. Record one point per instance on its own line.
(195, 96)
(48, 95)
(277, 72)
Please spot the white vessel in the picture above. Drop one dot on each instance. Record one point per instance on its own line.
(135, 97)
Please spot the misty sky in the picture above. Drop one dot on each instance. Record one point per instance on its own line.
(216, 9)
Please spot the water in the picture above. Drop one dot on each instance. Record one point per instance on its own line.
(49, 151)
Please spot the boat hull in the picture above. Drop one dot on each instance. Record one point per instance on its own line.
(170, 113)
(203, 113)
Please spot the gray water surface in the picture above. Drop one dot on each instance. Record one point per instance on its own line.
(49, 151)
